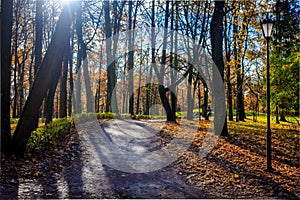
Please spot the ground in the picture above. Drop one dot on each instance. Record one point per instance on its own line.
(233, 169)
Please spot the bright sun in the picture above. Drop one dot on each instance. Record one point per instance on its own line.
(65, 1)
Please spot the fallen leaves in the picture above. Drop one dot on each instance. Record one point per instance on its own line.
(235, 168)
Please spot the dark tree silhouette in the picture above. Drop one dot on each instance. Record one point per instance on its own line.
(216, 33)
(6, 33)
(43, 81)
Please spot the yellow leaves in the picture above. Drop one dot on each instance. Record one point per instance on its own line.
(36, 174)
(250, 181)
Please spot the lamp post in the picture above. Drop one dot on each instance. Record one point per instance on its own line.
(267, 26)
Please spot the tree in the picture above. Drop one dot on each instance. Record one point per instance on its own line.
(6, 34)
(284, 59)
(82, 48)
(216, 34)
(43, 81)
(38, 43)
(111, 43)
(63, 84)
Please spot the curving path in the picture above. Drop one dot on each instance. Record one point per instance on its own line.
(90, 172)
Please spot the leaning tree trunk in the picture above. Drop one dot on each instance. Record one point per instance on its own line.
(216, 31)
(43, 81)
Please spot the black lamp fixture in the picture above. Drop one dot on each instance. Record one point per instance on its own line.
(266, 27)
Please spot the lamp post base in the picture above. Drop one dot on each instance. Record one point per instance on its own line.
(269, 148)
(269, 169)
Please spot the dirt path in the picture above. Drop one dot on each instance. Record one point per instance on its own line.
(83, 172)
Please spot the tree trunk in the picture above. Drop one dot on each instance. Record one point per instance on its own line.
(205, 102)
(229, 96)
(216, 31)
(71, 75)
(6, 35)
(174, 58)
(49, 101)
(109, 60)
(16, 111)
(160, 74)
(38, 35)
(83, 55)
(239, 96)
(190, 102)
(149, 85)
(228, 74)
(43, 81)
(282, 116)
(38, 44)
(277, 114)
(63, 85)
(139, 85)
(148, 92)
(130, 60)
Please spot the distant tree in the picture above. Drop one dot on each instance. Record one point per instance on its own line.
(112, 28)
(284, 59)
(82, 60)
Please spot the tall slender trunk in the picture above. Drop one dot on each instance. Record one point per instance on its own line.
(109, 60)
(174, 58)
(139, 84)
(6, 35)
(38, 45)
(84, 61)
(190, 102)
(16, 111)
(63, 85)
(228, 74)
(162, 90)
(71, 83)
(130, 60)
(153, 62)
(49, 101)
(216, 31)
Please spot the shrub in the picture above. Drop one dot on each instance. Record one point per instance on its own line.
(48, 134)
(106, 115)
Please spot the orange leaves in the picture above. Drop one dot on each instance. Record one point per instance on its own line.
(236, 166)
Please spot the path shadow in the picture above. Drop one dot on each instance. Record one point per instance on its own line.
(9, 183)
(163, 183)
(47, 174)
(267, 184)
(256, 144)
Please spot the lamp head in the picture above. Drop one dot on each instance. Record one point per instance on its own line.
(266, 27)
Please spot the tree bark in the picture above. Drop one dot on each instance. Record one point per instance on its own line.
(71, 83)
(83, 55)
(228, 74)
(38, 44)
(109, 60)
(43, 81)
(216, 33)
(63, 85)
(6, 35)
(130, 59)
